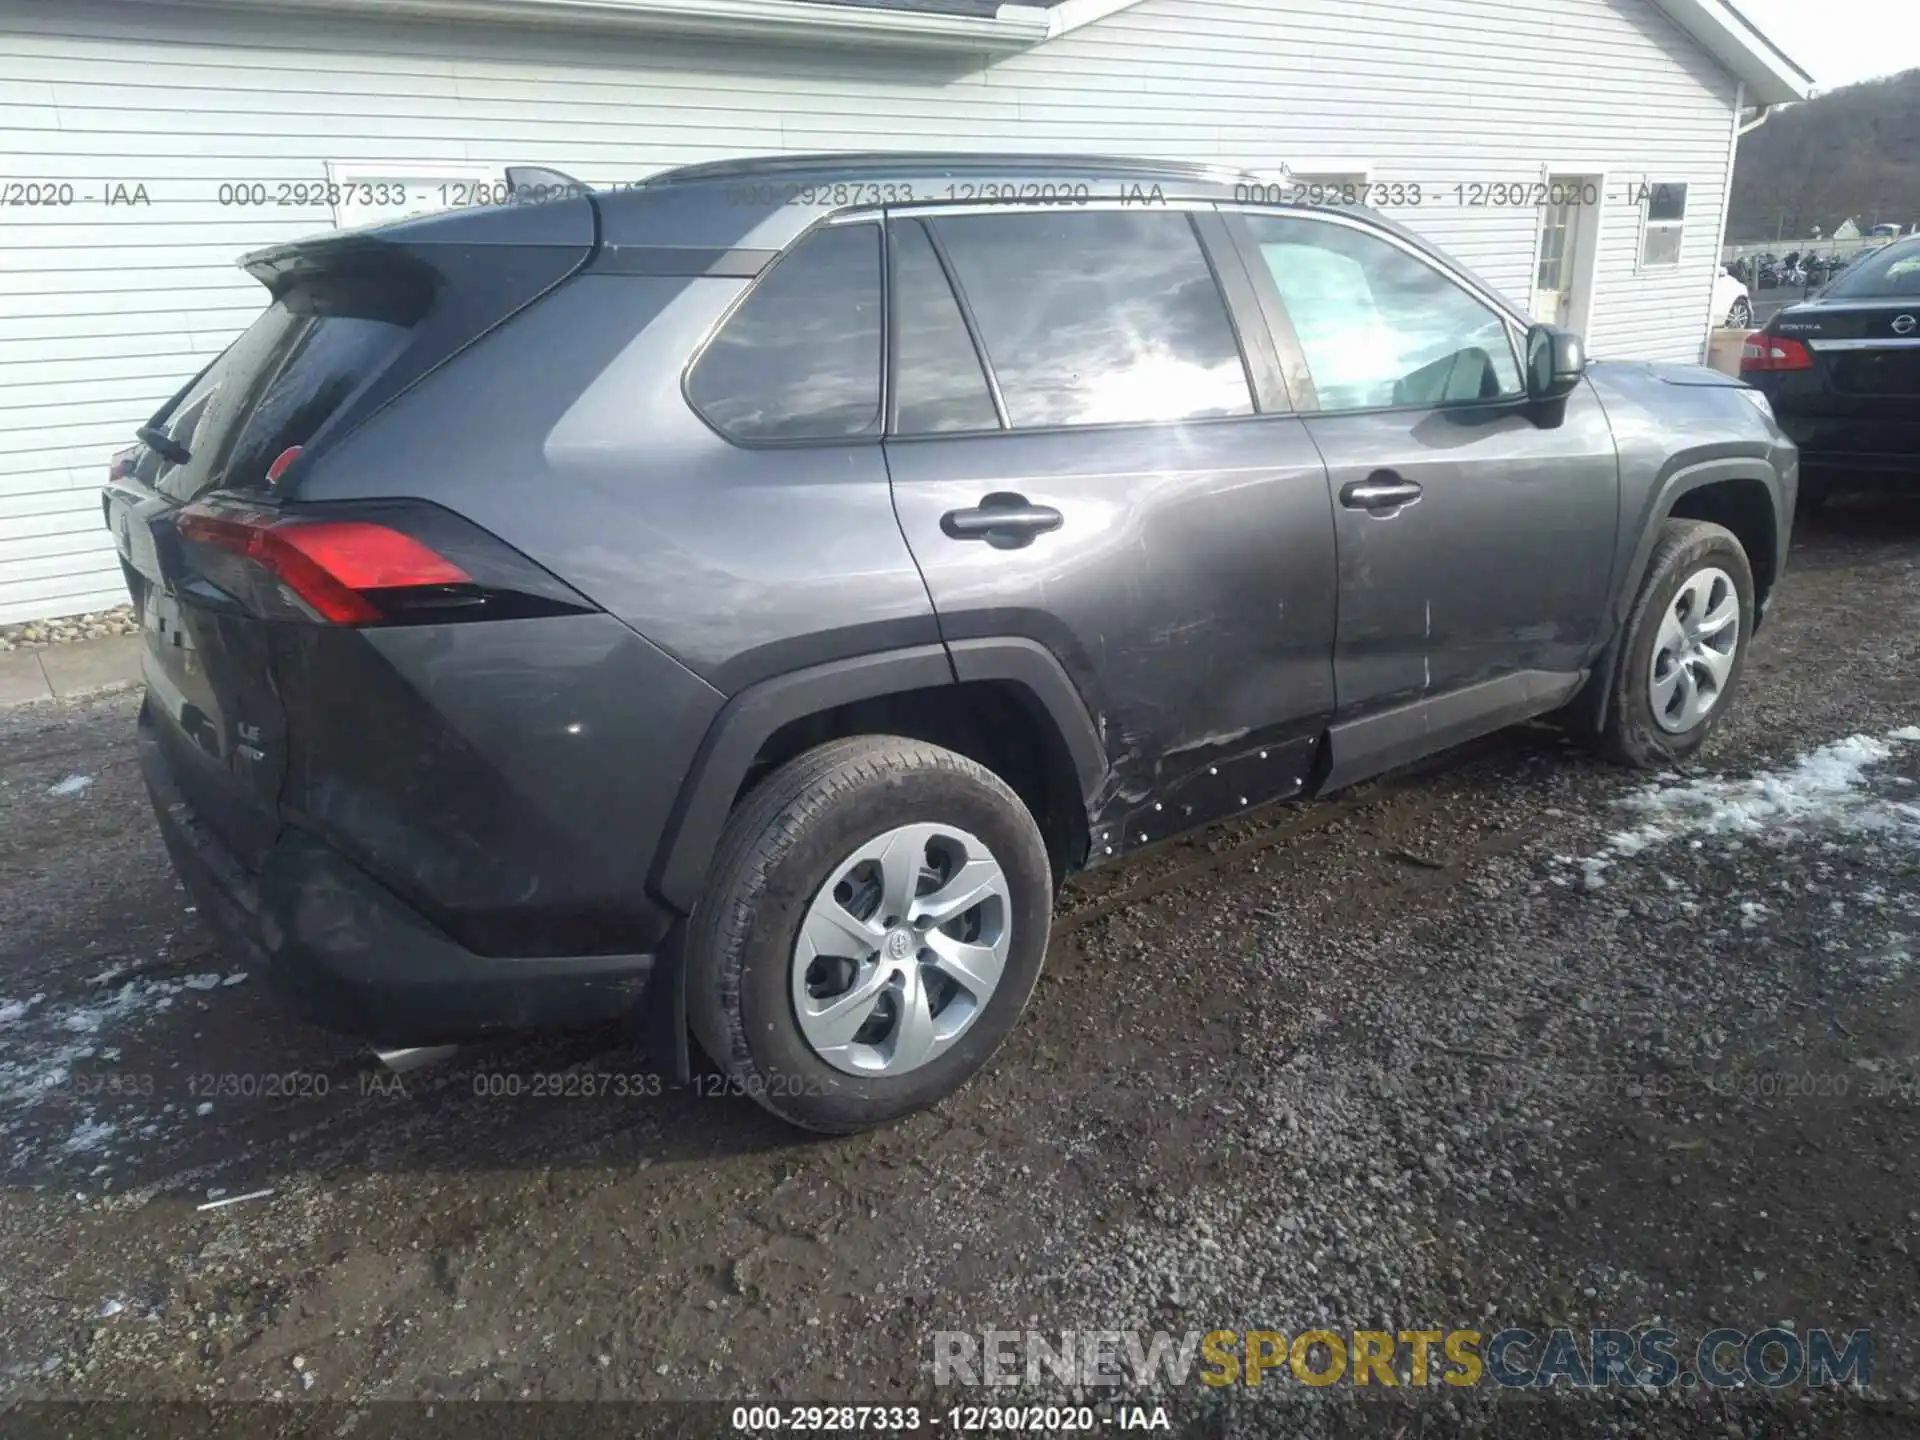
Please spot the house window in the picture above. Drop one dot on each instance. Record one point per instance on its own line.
(1664, 208)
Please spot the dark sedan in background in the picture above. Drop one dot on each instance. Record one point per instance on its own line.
(1842, 371)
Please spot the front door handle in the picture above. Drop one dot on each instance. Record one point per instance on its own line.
(1002, 520)
(1381, 491)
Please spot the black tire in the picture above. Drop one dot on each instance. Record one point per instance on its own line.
(1630, 733)
(781, 844)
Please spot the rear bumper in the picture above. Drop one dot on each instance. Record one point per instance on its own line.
(1858, 453)
(354, 958)
(1843, 470)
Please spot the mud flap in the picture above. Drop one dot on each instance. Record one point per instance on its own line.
(662, 1021)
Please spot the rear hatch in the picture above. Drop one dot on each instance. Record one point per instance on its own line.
(218, 554)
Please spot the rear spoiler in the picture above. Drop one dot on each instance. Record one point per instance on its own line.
(566, 227)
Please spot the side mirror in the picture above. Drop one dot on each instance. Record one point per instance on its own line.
(1556, 359)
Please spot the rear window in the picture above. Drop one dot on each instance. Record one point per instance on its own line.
(1893, 272)
(277, 384)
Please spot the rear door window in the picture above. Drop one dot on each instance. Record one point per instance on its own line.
(800, 358)
(937, 376)
(1097, 317)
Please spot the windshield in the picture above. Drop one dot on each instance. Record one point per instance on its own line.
(1892, 272)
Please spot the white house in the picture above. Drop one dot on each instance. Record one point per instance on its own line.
(1575, 152)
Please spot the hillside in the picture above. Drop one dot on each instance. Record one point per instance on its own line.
(1854, 152)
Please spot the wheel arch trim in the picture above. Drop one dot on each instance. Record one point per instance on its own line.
(752, 716)
(1590, 706)
(1754, 469)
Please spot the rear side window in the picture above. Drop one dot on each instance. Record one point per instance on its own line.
(276, 385)
(800, 358)
(937, 375)
(1097, 317)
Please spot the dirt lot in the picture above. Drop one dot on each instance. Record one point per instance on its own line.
(1514, 1040)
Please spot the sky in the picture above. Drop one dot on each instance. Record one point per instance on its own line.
(1840, 42)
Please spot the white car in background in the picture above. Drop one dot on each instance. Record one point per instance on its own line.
(1732, 305)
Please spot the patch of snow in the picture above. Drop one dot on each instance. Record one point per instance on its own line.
(1823, 791)
(88, 1135)
(110, 1309)
(72, 785)
(44, 1043)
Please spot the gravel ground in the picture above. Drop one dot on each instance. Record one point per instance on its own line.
(1513, 1039)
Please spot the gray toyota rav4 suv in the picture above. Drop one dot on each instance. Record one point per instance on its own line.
(735, 601)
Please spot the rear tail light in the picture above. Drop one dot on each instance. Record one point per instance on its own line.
(122, 463)
(383, 565)
(329, 564)
(1774, 352)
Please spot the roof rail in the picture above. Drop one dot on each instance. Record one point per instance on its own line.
(763, 165)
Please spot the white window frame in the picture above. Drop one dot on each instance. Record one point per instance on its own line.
(1642, 265)
(411, 173)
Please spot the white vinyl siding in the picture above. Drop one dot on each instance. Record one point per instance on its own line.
(105, 310)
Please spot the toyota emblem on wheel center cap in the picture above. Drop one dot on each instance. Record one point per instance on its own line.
(899, 945)
(1904, 325)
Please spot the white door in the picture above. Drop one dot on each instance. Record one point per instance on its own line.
(1555, 276)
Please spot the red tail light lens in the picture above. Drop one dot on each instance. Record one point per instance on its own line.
(122, 463)
(327, 563)
(1774, 352)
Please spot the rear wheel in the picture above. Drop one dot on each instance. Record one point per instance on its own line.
(873, 925)
(1740, 315)
(1684, 647)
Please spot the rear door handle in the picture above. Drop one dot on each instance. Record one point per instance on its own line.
(1382, 490)
(1003, 520)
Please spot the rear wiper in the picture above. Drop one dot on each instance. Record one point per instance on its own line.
(163, 445)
